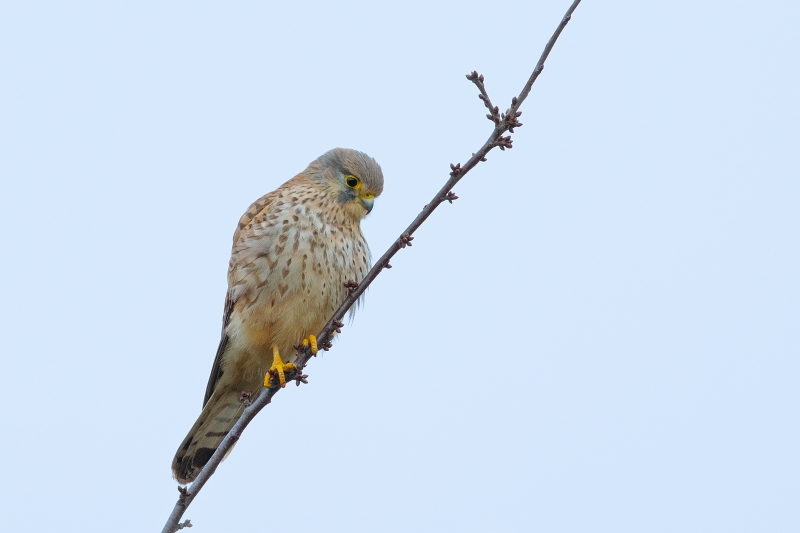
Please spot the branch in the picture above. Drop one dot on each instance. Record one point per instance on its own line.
(503, 122)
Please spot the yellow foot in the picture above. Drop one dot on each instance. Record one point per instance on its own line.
(312, 342)
(278, 369)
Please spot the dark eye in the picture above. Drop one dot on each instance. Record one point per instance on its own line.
(352, 182)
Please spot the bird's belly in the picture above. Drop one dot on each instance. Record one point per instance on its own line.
(284, 300)
(284, 321)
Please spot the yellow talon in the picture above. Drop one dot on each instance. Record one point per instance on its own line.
(278, 366)
(311, 341)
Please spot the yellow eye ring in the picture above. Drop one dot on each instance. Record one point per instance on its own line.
(352, 182)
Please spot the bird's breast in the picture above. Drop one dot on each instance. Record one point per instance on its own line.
(290, 276)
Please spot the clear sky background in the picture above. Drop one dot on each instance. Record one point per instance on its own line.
(600, 335)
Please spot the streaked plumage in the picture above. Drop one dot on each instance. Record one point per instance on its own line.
(293, 251)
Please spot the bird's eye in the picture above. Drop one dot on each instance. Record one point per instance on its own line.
(352, 182)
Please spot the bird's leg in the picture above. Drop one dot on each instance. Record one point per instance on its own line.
(311, 341)
(278, 369)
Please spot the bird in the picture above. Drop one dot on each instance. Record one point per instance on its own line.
(295, 252)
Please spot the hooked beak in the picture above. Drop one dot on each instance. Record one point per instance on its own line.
(368, 202)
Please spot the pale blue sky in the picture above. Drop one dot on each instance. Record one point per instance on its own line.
(600, 335)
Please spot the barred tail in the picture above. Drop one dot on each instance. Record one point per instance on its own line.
(218, 417)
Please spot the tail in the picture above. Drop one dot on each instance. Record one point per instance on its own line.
(218, 417)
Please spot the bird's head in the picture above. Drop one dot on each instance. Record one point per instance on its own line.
(352, 177)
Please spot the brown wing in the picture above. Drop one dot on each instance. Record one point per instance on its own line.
(247, 218)
(216, 369)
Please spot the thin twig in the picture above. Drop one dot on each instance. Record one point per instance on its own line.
(516, 102)
(504, 122)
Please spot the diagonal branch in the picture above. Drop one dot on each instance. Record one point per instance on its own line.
(504, 122)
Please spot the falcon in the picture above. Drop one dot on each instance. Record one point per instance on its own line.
(294, 251)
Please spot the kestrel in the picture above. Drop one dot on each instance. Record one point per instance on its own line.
(293, 252)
